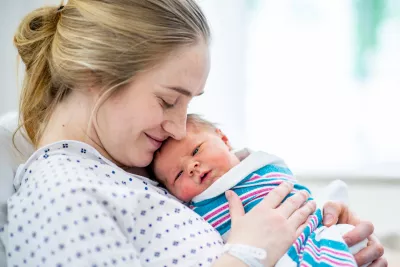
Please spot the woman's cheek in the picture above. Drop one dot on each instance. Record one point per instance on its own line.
(152, 112)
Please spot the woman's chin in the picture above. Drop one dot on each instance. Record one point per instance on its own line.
(143, 160)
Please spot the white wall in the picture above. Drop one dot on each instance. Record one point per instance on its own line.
(223, 101)
(304, 99)
(11, 12)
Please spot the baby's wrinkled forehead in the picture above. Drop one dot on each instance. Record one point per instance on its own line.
(155, 168)
(159, 154)
(165, 148)
(171, 148)
(162, 159)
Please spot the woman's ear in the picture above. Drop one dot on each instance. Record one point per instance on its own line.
(224, 138)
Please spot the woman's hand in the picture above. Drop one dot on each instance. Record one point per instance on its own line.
(339, 213)
(270, 225)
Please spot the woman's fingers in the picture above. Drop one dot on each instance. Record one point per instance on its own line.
(361, 231)
(236, 209)
(337, 212)
(381, 262)
(300, 230)
(372, 253)
(331, 213)
(276, 196)
(293, 203)
(300, 216)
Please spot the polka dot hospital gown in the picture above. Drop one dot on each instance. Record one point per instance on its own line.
(75, 208)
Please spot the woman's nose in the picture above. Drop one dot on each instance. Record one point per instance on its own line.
(175, 126)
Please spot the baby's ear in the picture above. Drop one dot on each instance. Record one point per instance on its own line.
(224, 138)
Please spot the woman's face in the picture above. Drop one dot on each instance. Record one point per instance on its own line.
(132, 124)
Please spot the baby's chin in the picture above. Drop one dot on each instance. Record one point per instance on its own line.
(206, 184)
(187, 196)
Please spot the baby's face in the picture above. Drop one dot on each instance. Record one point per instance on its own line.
(189, 166)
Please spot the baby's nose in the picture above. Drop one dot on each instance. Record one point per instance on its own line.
(193, 167)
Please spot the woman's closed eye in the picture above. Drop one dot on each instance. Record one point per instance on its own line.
(166, 104)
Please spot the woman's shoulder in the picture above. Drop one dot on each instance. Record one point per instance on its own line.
(65, 159)
(73, 179)
(64, 151)
(68, 158)
(71, 163)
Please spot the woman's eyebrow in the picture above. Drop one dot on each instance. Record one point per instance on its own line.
(183, 91)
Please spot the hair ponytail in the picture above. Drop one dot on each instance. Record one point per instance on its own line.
(33, 40)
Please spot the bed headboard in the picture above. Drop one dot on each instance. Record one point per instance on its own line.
(10, 159)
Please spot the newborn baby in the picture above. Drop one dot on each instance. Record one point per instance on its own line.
(201, 167)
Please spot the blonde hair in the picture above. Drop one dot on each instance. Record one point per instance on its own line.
(199, 123)
(106, 41)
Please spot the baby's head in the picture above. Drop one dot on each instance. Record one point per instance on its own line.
(189, 166)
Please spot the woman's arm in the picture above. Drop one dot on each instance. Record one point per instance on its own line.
(275, 229)
(270, 225)
(335, 212)
(228, 260)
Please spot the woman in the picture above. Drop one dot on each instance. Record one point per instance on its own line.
(106, 83)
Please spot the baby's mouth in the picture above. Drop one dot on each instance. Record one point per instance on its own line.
(204, 175)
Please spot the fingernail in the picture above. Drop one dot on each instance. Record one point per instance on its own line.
(304, 192)
(228, 195)
(287, 184)
(347, 240)
(328, 219)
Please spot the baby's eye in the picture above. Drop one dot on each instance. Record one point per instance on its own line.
(179, 174)
(195, 151)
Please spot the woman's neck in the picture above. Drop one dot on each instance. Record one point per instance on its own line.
(67, 122)
(71, 120)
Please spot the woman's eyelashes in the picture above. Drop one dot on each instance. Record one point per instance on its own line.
(166, 105)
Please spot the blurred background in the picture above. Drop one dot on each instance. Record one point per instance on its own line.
(315, 82)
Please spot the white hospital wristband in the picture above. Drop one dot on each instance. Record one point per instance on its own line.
(251, 256)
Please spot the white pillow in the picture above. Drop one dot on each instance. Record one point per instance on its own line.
(10, 159)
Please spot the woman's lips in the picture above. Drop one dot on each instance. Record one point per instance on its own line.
(155, 141)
